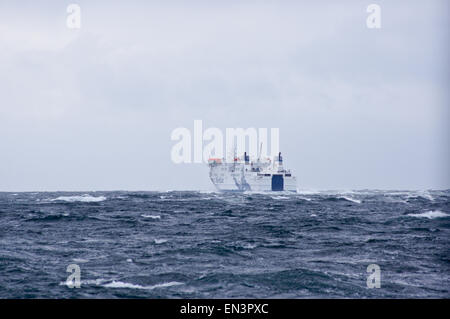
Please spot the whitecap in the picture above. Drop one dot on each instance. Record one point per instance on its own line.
(430, 214)
(207, 192)
(120, 284)
(83, 198)
(427, 196)
(351, 199)
(160, 241)
(279, 197)
(417, 194)
(80, 260)
(151, 216)
(84, 282)
(423, 194)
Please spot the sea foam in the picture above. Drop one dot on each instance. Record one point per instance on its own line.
(120, 284)
(151, 216)
(430, 214)
(351, 199)
(83, 198)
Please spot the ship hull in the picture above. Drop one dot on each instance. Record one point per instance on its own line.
(260, 184)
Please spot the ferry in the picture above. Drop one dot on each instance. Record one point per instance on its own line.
(242, 174)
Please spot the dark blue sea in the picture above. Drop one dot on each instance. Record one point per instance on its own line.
(213, 245)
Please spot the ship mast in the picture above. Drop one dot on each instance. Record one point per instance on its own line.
(234, 158)
(260, 150)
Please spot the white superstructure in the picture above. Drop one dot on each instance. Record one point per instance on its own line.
(245, 175)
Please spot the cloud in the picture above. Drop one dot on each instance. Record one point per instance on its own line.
(352, 104)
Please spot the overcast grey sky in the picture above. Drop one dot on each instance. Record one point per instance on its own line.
(93, 109)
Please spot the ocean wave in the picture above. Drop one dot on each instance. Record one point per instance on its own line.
(80, 198)
(279, 197)
(229, 240)
(430, 214)
(307, 192)
(151, 216)
(419, 195)
(80, 260)
(88, 282)
(351, 199)
(265, 193)
(208, 192)
(120, 284)
(426, 195)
